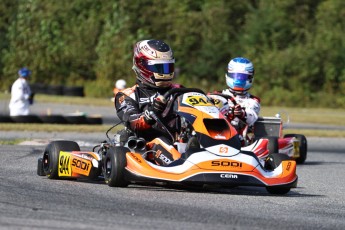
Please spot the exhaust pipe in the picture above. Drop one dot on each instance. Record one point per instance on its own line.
(136, 143)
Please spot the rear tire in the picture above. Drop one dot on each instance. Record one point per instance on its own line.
(40, 171)
(51, 156)
(114, 166)
(303, 147)
(273, 161)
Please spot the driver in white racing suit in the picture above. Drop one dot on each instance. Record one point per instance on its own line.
(239, 77)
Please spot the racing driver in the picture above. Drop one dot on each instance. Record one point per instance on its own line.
(153, 64)
(239, 78)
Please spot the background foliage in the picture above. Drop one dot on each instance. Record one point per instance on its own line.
(297, 46)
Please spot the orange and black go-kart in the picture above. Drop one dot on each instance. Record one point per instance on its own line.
(208, 149)
(266, 133)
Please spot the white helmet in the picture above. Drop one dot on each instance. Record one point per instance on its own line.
(120, 84)
(240, 74)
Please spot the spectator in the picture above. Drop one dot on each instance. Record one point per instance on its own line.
(21, 95)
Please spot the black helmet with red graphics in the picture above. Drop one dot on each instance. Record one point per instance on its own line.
(153, 63)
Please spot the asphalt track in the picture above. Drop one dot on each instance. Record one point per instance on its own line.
(28, 201)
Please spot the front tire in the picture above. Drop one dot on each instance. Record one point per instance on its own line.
(114, 166)
(51, 156)
(303, 147)
(272, 162)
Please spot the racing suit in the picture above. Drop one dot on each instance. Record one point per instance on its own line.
(250, 104)
(130, 105)
(20, 98)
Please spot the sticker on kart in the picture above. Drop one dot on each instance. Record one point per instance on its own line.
(64, 164)
(69, 163)
(199, 101)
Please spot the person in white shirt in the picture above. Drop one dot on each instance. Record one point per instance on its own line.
(21, 95)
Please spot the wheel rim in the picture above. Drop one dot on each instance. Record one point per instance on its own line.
(108, 167)
(46, 162)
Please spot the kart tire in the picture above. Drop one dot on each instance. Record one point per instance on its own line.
(53, 119)
(76, 119)
(273, 161)
(278, 190)
(26, 119)
(94, 120)
(51, 156)
(303, 148)
(114, 166)
(40, 171)
(272, 146)
(5, 119)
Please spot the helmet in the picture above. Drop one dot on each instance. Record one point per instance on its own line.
(240, 74)
(120, 84)
(24, 72)
(153, 63)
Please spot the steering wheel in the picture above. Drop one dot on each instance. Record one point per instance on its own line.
(178, 91)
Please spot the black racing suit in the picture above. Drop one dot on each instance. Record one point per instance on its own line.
(130, 105)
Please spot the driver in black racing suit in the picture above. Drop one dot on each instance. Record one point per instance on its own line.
(153, 64)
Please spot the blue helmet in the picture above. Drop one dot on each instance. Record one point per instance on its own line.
(240, 74)
(24, 72)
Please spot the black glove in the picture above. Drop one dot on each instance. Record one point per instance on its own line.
(157, 107)
(239, 112)
(31, 98)
(147, 117)
(159, 104)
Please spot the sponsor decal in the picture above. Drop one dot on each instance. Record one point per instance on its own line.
(135, 157)
(64, 168)
(232, 164)
(164, 158)
(288, 166)
(81, 166)
(160, 155)
(228, 176)
(218, 103)
(198, 100)
(223, 149)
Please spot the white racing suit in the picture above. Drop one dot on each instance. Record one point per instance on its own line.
(250, 104)
(20, 94)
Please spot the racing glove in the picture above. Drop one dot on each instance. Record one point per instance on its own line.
(239, 112)
(159, 104)
(147, 117)
(157, 107)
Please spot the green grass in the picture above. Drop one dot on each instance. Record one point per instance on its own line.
(296, 115)
(66, 100)
(57, 128)
(11, 142)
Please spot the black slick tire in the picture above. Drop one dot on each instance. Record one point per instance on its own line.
(51, 156)
(114, 166)
(303, 147)
(272, 162)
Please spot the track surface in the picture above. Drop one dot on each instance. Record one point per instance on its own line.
(28, 201)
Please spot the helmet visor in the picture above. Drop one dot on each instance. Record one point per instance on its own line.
(240, 76)
(161, 67)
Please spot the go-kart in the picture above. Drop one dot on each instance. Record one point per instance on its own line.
(265, 128)
(214, 157)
